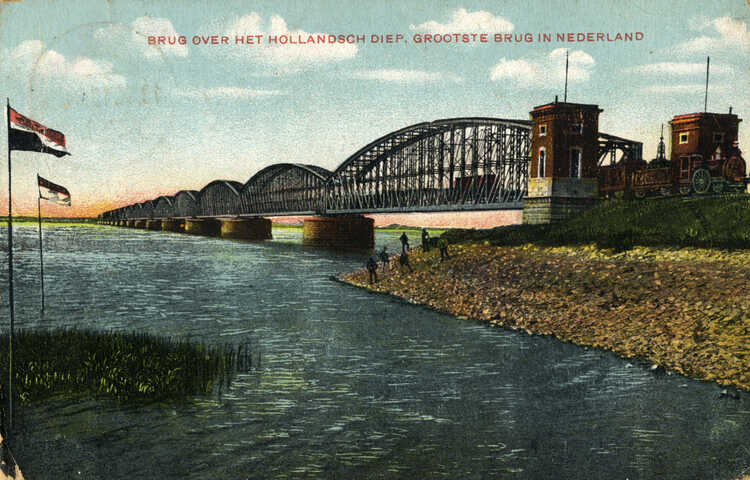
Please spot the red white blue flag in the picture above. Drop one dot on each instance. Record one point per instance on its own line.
(26, 134)
(53, 192)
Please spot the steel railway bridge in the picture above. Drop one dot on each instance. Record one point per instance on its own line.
(445, 165)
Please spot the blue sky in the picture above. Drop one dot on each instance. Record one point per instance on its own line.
(144, 120)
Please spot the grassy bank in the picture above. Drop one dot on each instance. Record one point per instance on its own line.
(124, 367)
(685, 310)
(714, 222)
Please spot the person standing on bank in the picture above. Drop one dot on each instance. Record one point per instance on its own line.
(403, 260)
(443, 246)
(384, 258)
(425, 240)
(372, 268)
(404, 243)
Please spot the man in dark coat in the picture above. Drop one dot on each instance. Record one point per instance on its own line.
(372, 268)
(384, 258)
(404, 243)
(443, 246)
(425, 240)
(403, 260)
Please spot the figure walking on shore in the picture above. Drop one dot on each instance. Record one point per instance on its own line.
(425, 241)
(403, 260)
(372, 268)
(404, 243)
(443, 246)
(384, 258)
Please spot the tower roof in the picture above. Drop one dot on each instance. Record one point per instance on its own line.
(567, 106)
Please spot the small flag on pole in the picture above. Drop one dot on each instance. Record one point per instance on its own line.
(26, 134)
(53, 192)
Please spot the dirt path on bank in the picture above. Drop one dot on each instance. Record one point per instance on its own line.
(687, 310)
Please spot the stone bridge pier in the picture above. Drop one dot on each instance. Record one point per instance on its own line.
(203, 226)
(351, 232)
(172, 225)
(246, 228)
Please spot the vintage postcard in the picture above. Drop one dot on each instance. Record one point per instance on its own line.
(402, 240)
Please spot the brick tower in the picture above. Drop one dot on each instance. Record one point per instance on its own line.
(706, 144)
(564, 156)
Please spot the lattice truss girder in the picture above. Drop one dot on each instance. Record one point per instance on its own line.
(220, 198)
(614, 150)
(285, 188)
(474, 161)
(467, 161)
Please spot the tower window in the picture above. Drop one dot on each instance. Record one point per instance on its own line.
(542, 130)
(718, 137)
(684, 138)
(576, 128)
(542, 162)
(575, 162)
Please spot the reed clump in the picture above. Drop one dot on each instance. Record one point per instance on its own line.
(124, 367)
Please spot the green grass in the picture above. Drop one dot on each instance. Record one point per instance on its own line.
(123, 367)
(707, 222)
(286, 226)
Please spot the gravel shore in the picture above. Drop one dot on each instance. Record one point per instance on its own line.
(685, 310)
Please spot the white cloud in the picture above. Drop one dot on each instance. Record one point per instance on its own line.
(679, 68)
(30, 59)
(224, 93)
(288, 56)
(684, 88)
(464, 21)
(547, 71)
(406, 76)
(726, 34)
(135, 37)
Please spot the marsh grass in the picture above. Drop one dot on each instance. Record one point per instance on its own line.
(705, 222)
(123, 367)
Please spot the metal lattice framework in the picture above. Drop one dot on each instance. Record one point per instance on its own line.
(220, 198)
(147, 209)
(614, 150)
(285, 188)
(134, 211)
(163, 207)
(186, 203)
(463, 163)
(452, 164)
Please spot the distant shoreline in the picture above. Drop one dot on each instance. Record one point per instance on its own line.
(31, 219)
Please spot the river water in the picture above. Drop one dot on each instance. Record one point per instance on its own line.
(350, 384)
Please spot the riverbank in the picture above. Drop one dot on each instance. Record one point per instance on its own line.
(683, 310)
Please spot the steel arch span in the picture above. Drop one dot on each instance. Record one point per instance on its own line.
(446, 165)
(220, 198)
(450, 164)
(285, 188)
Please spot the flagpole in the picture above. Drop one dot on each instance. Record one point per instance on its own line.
(565, 98)
(10, 280)
(41, 248)
(705, 99)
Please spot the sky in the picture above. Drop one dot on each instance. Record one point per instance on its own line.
(143, 120)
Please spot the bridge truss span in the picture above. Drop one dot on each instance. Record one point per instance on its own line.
(285, 188)
(451, 164)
